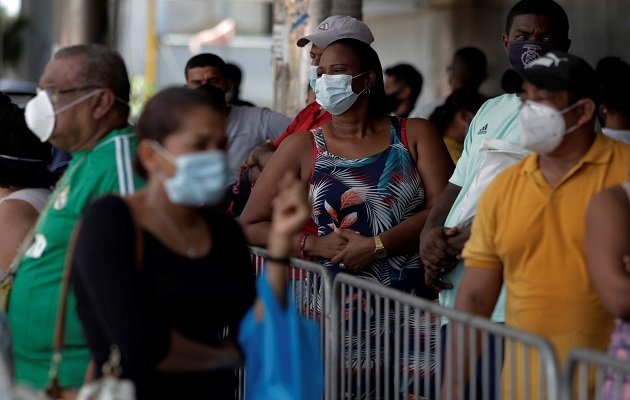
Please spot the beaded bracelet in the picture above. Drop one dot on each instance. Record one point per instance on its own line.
(302, 243)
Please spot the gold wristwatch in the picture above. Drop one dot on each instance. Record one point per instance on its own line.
(379, 249)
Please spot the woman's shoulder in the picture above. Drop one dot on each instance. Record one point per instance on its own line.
(296, 140)
(108, 209)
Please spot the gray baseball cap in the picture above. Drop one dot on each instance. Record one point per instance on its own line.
(337, 27)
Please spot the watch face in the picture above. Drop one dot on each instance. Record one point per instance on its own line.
(381, 253)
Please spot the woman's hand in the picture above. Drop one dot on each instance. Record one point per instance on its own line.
(290, 213)
(359, 251)
(325, 246)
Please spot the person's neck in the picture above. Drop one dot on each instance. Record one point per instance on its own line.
(456, 134)
(559, 162)
(156, 198)
(617, 121)
(403, 109)
(354, 124)
(99, 133)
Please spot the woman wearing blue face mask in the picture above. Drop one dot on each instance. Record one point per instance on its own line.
(372, 178)
(159, 274)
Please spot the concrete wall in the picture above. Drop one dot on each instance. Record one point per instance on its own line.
(426, 33)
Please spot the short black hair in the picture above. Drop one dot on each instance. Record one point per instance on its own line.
(461, 99)
(368, 61)
(205, 60)
(23, 158)
(408, 76)
(215, 96)
(614, 76)
(164, 113)
(233, 73)
(476, 65)
(548, 8)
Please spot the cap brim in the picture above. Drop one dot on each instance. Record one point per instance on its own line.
(542, 79)
(303, 41)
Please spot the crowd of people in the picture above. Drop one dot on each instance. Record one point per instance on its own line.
(514, 208)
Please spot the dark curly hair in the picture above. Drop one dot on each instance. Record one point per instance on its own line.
(23, 158)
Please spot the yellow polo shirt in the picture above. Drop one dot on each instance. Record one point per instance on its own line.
(535, 233)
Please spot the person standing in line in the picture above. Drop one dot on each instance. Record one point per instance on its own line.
(181, 273)
(403, 85)
(608, 256)
(245, 127)
(25, 180)
(614, 75)
(82, 108)
(546, 195)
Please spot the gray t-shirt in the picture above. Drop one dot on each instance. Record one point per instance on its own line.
(248, 126)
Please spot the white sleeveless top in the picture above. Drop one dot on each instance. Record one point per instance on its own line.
(37, 198)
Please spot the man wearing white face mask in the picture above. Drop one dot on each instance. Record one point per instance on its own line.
(82, 109)
(529, 227)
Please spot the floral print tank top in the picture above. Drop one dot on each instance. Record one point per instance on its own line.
(369, 195)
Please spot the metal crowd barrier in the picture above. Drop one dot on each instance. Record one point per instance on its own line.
(592, 374)
(311, 285)
(381, 343)
(387, 344)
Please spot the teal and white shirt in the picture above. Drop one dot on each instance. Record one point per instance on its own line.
(495, 120)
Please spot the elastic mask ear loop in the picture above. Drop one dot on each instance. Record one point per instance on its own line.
(566, 110)
(20, 158)
(76, 101)
(356, 76)
(163, 152)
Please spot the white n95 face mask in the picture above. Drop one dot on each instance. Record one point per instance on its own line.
(334, 92)
(542, 127)
(40, 114)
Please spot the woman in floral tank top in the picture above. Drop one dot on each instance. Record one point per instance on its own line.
(372, 179)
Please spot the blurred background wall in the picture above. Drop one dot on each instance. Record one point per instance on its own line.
(156, 37)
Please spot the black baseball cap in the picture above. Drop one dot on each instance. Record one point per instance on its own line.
(558, 70)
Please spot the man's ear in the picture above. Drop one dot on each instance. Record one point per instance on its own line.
(103, 103)
(505, 40)
(588, 110)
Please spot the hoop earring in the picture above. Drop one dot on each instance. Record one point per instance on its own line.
(367, 91)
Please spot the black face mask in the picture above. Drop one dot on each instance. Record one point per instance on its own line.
(393, 102)
(522, 53)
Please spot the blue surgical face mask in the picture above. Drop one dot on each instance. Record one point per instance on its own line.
(334, 92)
(522, 53)
(200, 178)
(312, 76)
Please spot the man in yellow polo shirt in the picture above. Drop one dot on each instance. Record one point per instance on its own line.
(529, 228)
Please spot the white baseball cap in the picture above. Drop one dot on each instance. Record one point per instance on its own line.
(337, 27)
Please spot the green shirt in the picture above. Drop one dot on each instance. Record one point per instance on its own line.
(106, 168)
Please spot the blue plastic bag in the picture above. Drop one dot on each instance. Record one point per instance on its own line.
(282, 352)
